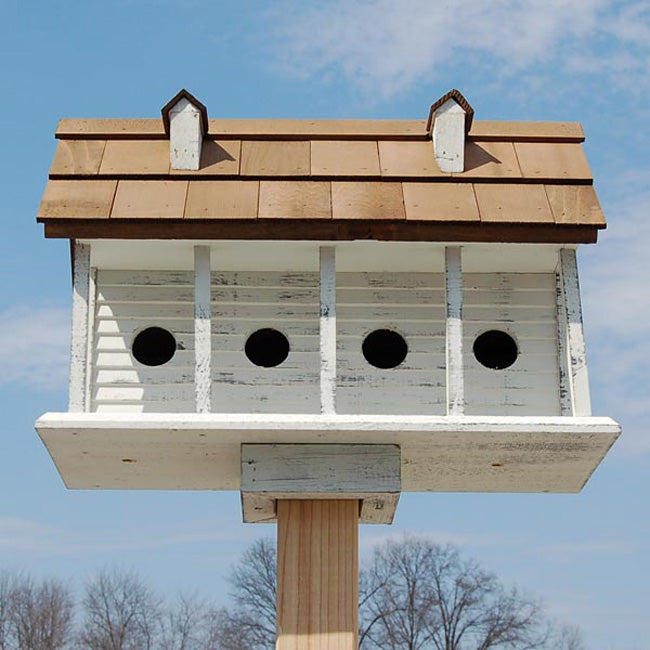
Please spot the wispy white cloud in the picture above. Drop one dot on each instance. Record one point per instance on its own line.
(26, 536)
(387, 47)
(34, 346)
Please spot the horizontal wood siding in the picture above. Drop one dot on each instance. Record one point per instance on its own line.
(411, 304)
(126, 303)
(524, 306)
(245, 302)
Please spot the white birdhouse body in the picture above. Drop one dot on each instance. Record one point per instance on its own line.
(332, 286)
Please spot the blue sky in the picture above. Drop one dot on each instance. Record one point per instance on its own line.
(587, 555)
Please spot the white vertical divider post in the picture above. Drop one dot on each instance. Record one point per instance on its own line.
(327, 265)
(202, 330)
(564, 371)
(454, 339)
(92, 302)
(575, 341)
(80, 320)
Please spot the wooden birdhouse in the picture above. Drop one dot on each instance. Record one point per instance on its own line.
(403, 283)
(331, 311)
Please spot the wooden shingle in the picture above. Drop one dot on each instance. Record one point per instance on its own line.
(344, 158)
(123, 157)
(440, 202)
(295, 200)
(227, 199)
(547, 160)
(65, 199)
(371, 200)
(490, 160)
(575, 204)
(399, 158)
(262, 158)
(78, 157)
(510, 203)
(149, 199)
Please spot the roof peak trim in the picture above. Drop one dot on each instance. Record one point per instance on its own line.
(458, 97)
(184, 94)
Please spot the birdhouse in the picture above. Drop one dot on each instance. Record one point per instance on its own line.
(393, 304)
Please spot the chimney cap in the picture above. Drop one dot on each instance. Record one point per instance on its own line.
(184, 94)
(458, 97)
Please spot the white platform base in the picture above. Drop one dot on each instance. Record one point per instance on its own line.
(180, 451)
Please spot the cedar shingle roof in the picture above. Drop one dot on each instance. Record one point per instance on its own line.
(321, 179)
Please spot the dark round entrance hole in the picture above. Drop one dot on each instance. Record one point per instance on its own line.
(384, 349)
(495, 349)
(267, 348)
(154, 346)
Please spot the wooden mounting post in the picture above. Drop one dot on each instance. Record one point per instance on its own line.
(318, 569)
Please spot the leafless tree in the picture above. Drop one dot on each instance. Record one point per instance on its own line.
(192, 624)
(6, 596)
(251, 623)
(566, 637)
(42, 614)
(418, 595)
(120, 613)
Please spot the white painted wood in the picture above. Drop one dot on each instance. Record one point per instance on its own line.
(411, 304)
(327, 264)
(524, 306)
(202, 329)
(579, 384)
(185, 135)
(564, 372)
(444, 453)
(325, 469)
(449, 137)
(127, 302)
(80, 319)
(454, 329)
(92, 311)
(245, 302)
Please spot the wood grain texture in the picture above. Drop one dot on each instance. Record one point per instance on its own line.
(218, 158)
(318, 230)
(481, 129)
(513, 203)
(122, 157)
(576, 350)
(149, 199)
(318, 573)
(344, 158)
(77, 200)
(295, 200)
(222, 200)
(202, 330)
(440, 202)
(575, 204)
(410, 159)
(81, 157)
(80, 319)
(553, 161)
(262, 158)
(455, 381)
(327, 328)
(372, 200)
(490, 160)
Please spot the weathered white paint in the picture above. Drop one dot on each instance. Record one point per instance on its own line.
(202, 330)
(446, 453)
(90, 355)
(327, 263)
(579, 385)
(327, 471)
(454, 331)
(411, 304)
(524, 306)
(80, 319)
(127, 302)
(449, 137)
(564, 372)
(185, 135)
(245, 302)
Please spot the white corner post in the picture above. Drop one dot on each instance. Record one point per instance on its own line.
(81, 317)
(185, 135)
(202, 330)
(454, 330)
(574, 353)
(327, 265)
(449, 137)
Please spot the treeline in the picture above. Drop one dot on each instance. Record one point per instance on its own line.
(414, 595)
